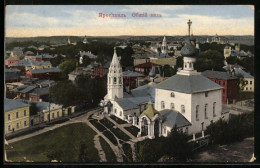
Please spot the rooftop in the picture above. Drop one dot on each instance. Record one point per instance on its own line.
(188, 84)
(218, 75)
(131, 74)
(242, 72)
(45, 70)
(10, 104)
(172, 118)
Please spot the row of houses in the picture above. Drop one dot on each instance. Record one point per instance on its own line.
(18, 114)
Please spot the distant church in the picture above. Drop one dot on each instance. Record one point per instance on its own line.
(186, 100)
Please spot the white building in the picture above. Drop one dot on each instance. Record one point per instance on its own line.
(186, 100)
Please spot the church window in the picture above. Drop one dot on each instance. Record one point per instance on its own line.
(114, 71)
(197, 112)
(214, 109)
(202, 126)
(172, 94)
(250, 82)
(109, 80)
(120, 113)
(17, 125)
(115, 111)
(162, 105)
(189, 64)
(206, 115)
(114, 80)
(172, 106)
(206, 94)
(182, 108)
(9, 117)
(185, 65)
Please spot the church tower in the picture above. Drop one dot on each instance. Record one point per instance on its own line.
(164, 46)
(189, 53)
(115, 79)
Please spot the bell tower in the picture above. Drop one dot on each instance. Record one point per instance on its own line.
(115, 79)
(164, 46)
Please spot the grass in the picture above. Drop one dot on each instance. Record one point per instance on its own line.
(110, 155)
(120, 134)
(118, 120)
(111, 137)
(128, 152)
(100, 127)
(133, 130)
(64, 144)
(107, 123)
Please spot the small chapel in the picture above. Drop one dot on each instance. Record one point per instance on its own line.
(187, 100)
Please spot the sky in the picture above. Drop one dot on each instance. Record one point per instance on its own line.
(80, 20)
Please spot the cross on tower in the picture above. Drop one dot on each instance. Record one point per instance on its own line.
(189, 24)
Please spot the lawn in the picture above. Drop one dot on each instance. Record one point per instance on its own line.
(98, 126)
(118, 120)
(120, 134)
(133, 130)
(128, 152)
(70, 143)
(110, 155)
(106, 123)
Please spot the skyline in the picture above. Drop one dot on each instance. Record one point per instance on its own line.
(80, 20)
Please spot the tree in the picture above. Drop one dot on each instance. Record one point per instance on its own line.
(231, 60)
(68, 66)
(56, 61)
(176, 145)
(33, 109)
(209, 60)
(168, 71)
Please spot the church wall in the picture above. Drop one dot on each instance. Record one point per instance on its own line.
(124, 112)
(178, 100)
(200, 99)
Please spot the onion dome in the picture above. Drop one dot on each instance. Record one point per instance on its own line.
(188, 50)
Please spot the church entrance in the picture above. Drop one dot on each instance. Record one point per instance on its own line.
(144, 127)
(156, 128)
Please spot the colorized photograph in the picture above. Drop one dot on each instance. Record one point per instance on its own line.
(129, 84)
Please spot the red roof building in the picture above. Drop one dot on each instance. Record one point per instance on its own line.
(130, 79)
(100, 71)
(227, 81)
(145, 68)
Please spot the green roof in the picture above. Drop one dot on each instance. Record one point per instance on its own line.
(149, 112)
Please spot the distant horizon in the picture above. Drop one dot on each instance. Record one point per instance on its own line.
(119, 36)
(137, 20)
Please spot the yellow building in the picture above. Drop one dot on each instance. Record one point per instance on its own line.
(16, 115)
(249, 80)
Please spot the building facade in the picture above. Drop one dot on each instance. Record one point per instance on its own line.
(16, 115)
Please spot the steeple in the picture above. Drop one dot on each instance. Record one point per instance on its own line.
(115, 79)
(164, 47)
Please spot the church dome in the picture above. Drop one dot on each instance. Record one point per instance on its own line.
(188, 50)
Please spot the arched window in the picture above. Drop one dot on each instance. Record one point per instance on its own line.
(162, 105)
(214, 109)
(185, 65)
(172, 106)
(120, 113)
(190, 64)
(182, 108)
(197, 112)
(115, 111)
(114, 80)
(206, 115)
(172, 94)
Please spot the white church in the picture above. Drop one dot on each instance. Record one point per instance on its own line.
(186, 100)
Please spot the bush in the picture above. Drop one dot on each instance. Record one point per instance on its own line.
(238, 128)
(150, 150)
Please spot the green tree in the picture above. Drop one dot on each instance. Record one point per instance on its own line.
(176, 145)
(208, 60)
(168, 71)
(231, 60)
(56, 61)
(68, 66)
(33, 109)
